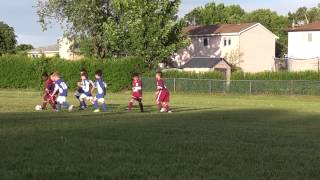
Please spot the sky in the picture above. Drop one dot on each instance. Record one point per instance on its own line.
(21, 15)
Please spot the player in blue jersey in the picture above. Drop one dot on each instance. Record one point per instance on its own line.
(79, 91)
(86, 95)
(101, 88)
(61, 88)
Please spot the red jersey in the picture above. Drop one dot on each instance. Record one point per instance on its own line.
(161, 85)
(137, 88)
(49, 86)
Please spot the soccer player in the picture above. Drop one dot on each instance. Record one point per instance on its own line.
(79, 91)
(162, 94)
(48, 89)
(101, 88)
(86, 86)
(136, 92)
(62, 89)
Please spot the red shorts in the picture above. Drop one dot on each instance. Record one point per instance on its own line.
(163, 96)
(137, 96)
(48, 98)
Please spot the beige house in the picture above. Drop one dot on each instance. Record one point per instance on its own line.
(63, 49)
(250, 46)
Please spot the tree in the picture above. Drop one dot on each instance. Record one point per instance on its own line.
(7, 39)
(303, 15)
(275, 23)
(24, 47)
(213, 13)
(119, 27)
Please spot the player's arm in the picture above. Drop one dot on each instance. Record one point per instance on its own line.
(56, 88)
(93, 88)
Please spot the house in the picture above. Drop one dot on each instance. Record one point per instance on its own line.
(208, 64)
(250, 46)
(303, 47)
(63, 49)
(49, 51)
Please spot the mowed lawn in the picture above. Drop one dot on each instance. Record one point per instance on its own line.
(207, 137)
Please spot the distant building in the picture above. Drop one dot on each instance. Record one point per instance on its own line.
(304, 47)
(251, 46)
(63, 49)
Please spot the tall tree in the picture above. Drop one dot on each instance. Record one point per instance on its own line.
(119, 27)
(213, 13)
(7, 39)
(305, 15)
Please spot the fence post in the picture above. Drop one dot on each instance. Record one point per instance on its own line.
(250, 87)
(174, 85)
(291, 87)
(210, 86)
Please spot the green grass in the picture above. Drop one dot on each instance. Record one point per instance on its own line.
(207, 137)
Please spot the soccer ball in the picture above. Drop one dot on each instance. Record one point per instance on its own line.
(38, 108)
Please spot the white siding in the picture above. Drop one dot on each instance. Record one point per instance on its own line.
(301, 48)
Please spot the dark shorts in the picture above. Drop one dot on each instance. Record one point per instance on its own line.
(163, 96)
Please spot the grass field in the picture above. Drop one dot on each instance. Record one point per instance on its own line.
(207, 137)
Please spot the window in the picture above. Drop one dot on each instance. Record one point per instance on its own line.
(225, 42)
(205, 42)
(229, 42)
(309, 37)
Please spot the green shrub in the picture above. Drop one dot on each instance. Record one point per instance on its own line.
(191, 75)
(282, 75)
(24, 72)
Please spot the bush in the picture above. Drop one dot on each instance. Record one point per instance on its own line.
(282, 75)
(191, 75)
(23, 72)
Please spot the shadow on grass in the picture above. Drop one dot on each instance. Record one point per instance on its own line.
(190, 144)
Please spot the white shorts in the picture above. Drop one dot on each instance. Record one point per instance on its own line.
(61, 99)
(100, 100)
(85, 97)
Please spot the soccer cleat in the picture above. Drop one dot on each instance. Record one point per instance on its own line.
(169, 112)
(163, 110)
(96, 110)
(70, 108)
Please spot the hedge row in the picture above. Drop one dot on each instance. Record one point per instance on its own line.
(24, 72)
(283, 75)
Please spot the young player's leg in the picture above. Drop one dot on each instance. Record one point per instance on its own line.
(140, 104)
(166, 102)
(130, 104)
(82, 99)
(159, 100)
(45, 102)
(104, 105)
(52, 102)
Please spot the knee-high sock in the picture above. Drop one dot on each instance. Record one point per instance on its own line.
(66, 105)
(96, 105)
(104, 107)
(130, 105)
(58, 106)
(167, 107)
(44, 105)
(141, 106)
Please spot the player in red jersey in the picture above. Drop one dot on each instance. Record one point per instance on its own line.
(162, 94)
(48, 89)
(136, 92)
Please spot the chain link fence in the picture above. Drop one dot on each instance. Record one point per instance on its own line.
(272, 87)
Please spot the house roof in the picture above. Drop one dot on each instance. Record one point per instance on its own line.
(51, 48)
(307, 27)
(218, 29)
(203, 62)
